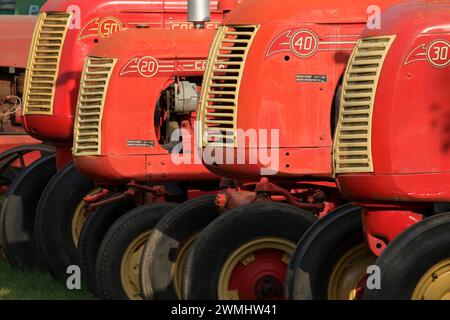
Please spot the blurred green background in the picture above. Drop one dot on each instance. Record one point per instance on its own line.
(25, 7)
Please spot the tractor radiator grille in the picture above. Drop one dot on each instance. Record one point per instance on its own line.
(220, 92)
(91, 100)
(352, 143)
(43, 63)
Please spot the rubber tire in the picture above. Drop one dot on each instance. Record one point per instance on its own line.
(161, 250)
(54, 214)
(6, 173)
(116, 242)
(19, 211)
(319, 250)
(230, 231)
(410, 256)
(92, 234)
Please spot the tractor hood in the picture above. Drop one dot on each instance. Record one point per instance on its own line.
(15, 40)
(160, 43)
(296, 11)
(430, 17)
(122, 6)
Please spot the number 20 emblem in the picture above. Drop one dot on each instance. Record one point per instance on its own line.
(304, 43)
(148, 67)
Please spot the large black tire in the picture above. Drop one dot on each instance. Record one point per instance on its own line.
(128, 233)
(8, 172)
(258, 238)
(410, 258)
(19, 211)
(92, 234)
(9, 158)
(331, 259)
(167, 248)
(54, 215)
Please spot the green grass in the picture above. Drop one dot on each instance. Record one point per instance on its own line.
(16, 285)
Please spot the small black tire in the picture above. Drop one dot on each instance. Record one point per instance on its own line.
(54, 215)
(19, 211)
(266, 224)
(413, 258)
(131, 227)
(171, 237)
(92, 234)
(321, 250)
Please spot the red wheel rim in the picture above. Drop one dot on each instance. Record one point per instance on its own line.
(256, 270)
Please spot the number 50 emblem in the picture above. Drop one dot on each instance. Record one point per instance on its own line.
(304, 43)
(108, 26)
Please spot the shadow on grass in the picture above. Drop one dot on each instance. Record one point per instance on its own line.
(16, 285)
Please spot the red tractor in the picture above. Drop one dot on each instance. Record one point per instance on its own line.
(152, 91)
(17, 149)
(391, 160)
(149, 102)
(43, 225)
(273, 69)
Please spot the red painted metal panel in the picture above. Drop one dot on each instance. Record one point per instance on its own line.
(293, 91)
(58, 128)
(410, 135)
(15, 40)
(131, 101)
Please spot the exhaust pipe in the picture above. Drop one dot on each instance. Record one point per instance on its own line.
(199, 12)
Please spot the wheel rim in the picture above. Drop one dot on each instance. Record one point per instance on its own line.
(79, 218)
(345, 281)
(435, 283)
(180, 265)
(129, 270)
(256, 270)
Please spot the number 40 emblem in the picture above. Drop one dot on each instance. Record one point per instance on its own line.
(304, 43)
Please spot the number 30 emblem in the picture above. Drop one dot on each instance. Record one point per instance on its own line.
(304, 43)
(438, 53)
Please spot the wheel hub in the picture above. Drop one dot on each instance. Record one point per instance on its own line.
(79, 218)
(435, 283)
(348, 277)
(129, 271)
(269, 287)
(256, 270)
(180, 265)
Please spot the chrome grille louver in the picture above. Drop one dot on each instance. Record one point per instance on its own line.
(93, 88)
(352, 142)
(43, 64)
(221, 85)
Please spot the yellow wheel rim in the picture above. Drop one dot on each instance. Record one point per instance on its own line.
(79, 218)
(245, 256)
(435, 283)
(348, 273)
(180, 265)
(129, 269)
